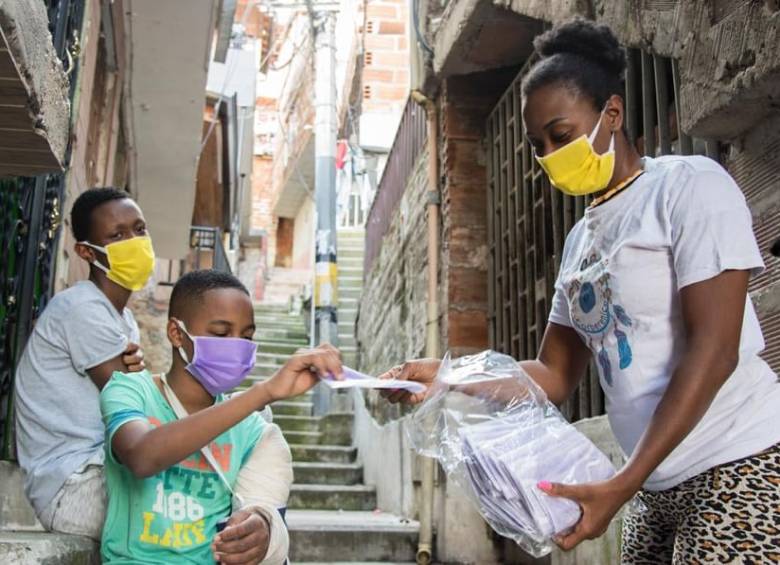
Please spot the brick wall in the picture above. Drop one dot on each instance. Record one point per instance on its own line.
(252, 267)
(385, 84)
(465, 104)
(262, 200)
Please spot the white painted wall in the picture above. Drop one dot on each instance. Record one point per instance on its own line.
(303, 235)
(170, 45)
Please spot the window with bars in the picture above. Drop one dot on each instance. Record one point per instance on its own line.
(528, 221)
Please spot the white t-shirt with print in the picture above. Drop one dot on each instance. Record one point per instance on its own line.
(683, 221)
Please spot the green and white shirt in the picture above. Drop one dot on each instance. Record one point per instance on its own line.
(172, 516)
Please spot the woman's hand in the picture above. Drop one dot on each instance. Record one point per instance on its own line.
(304, 370)
(421, 370)
(599, 503)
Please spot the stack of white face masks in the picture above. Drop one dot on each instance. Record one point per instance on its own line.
(496, 434)
(506, 458)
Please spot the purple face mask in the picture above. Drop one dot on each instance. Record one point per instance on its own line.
(219, 364)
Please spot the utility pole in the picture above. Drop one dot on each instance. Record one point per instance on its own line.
(325, 127)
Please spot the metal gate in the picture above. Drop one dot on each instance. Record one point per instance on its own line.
(30, 222)
(528, 220)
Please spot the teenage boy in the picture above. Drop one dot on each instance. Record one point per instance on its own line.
(83, 336)
(175, 444)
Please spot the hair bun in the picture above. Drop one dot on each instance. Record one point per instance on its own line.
(584, 38)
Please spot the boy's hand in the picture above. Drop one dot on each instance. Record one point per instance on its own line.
(304, 370)
(244, 540)
(133, 358)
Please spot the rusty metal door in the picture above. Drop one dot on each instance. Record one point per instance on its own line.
(528, 221)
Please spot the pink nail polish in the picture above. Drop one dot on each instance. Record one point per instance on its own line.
(544, 485)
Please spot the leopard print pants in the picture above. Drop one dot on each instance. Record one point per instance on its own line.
(729, 514)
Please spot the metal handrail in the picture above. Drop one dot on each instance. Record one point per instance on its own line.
(209, 238)
(407, 147)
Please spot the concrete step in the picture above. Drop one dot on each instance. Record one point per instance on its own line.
(347, 340)
(332, 497)
(350, 359)
(277, 334)
(297, 423)
(326, 536)
(349, 282)
(297, 329)
(16, 513)
(279, 348)
(348, 303)
(351, 252)
(308, 473)
(303, 438)
(351, 266)
(269, 342)
(289, 408)
(34, 548)
(347, 316)
(323, 453)
(352, 293)
(351, 242)
(350, 233)
(278, 321)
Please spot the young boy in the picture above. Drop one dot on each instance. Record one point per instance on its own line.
(83, 336)
(165, 496)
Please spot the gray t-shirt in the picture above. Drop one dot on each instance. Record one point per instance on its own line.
(58, 423)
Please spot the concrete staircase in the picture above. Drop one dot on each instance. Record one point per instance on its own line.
(332, 516)
(350, 263)
(23, 540)
(285, 283)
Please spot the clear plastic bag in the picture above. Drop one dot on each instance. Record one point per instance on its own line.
(495, 434)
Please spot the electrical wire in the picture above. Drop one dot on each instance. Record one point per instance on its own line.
(416, 21)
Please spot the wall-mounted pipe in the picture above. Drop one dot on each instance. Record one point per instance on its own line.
(425, 544)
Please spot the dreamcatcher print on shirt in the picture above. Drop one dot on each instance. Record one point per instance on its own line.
(596, 316)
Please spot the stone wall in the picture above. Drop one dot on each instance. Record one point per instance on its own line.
(754, 161)
(150, 308)
(25, 26)
(392, 311)
(392, 319)
(727, 50)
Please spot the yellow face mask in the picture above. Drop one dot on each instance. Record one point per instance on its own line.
(130, 261)
(576, 169)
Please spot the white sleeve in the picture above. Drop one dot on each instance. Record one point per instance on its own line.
(559, 312)
(264, 485)
(711, 228)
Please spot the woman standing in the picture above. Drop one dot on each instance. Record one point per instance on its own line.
(653, 285)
